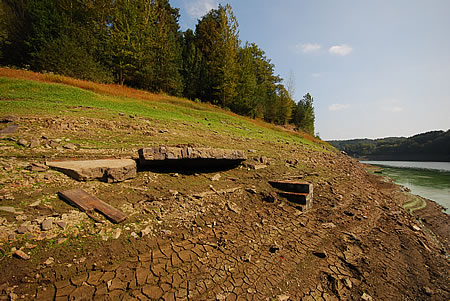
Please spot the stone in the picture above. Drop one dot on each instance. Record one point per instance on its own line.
(233, 207)
(49, 261)
(328, 226)
(11, 129)
(61, 224)
(282, 298)
(70, 146)
(35, 143)
(216, 177)
(108, 170)
(146, 231)
(22, 142)
(199, 157)
(47, 225)
(116, 233)
(366, 297)
(8, 209)
(21, 254)
(23, 230)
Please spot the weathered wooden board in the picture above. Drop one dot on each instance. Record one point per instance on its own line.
(292, 186)
(89, 203)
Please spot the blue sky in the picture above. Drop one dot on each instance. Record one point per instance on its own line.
(376, 68)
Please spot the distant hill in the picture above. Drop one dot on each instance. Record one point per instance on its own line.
(429, 146)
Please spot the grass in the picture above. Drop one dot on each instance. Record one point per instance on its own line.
(24, 93)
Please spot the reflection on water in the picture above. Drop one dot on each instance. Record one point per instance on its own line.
(432, 183)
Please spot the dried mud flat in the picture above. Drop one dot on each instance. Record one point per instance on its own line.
(208, 235)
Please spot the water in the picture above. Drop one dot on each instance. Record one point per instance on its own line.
(430, 180)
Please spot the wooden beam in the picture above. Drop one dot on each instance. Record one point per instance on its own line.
(88, 203)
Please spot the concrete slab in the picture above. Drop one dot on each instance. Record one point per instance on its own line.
(107, 170)
(193, 156)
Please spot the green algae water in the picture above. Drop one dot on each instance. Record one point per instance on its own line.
(430, 180)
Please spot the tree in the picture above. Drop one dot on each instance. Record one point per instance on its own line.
(216, 37)
(304, 116)
(191, 68)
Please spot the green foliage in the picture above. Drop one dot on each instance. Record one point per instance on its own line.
(139, 43)
(66, 56)
(304, 116)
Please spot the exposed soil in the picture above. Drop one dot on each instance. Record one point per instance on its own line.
(188, 236)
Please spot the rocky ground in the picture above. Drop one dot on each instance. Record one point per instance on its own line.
(207, 235)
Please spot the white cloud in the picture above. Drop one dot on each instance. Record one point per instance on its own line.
(341, 50)
(308, 47)
(338, 107)
(316, 75)
(199, 8)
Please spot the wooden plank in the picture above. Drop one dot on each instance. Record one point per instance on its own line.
(86, 202)
(292, 186)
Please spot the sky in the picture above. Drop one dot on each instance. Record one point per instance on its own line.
(375, 68)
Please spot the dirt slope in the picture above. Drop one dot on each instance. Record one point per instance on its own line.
(189, 236)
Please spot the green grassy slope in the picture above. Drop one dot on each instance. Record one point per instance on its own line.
(25, 97)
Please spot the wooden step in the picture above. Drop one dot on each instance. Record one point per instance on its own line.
(292, 186)
(303, 199)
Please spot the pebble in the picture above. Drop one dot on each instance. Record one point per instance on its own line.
(116, 233)
(216, 177)
(61, 224)
(23, 230)
(21, 254)
(47, 225)
(49, 261)
(22, 142)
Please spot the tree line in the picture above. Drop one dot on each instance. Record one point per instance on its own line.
(139, 43)
(429, 146)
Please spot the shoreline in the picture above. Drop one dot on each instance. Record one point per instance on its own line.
(431, 215)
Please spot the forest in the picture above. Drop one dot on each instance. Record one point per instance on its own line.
(139, 43)
(429, 146)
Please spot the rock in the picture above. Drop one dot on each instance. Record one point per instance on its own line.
(116, 233)
(328, 226)
(428, 291)
(233, 207)
(35, 143)
(49, 261)
(416, 228)
(146, 231)
(282, 298)
(21, 254)
(199, 157)
(216, 177)
(366, 297)
(61, 240)
(70, 146)
(10, 209)
(37, 167)
(61, 224)
(108, 170)
(47, 225)
(23, 230)
(251, 190)
(22, 142)
(269, 197)
(134, 235)
(11, 129)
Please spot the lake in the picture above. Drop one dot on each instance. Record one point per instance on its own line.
(430, 180)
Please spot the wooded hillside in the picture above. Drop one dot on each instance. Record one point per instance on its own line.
(139, 43)
(430, 146)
